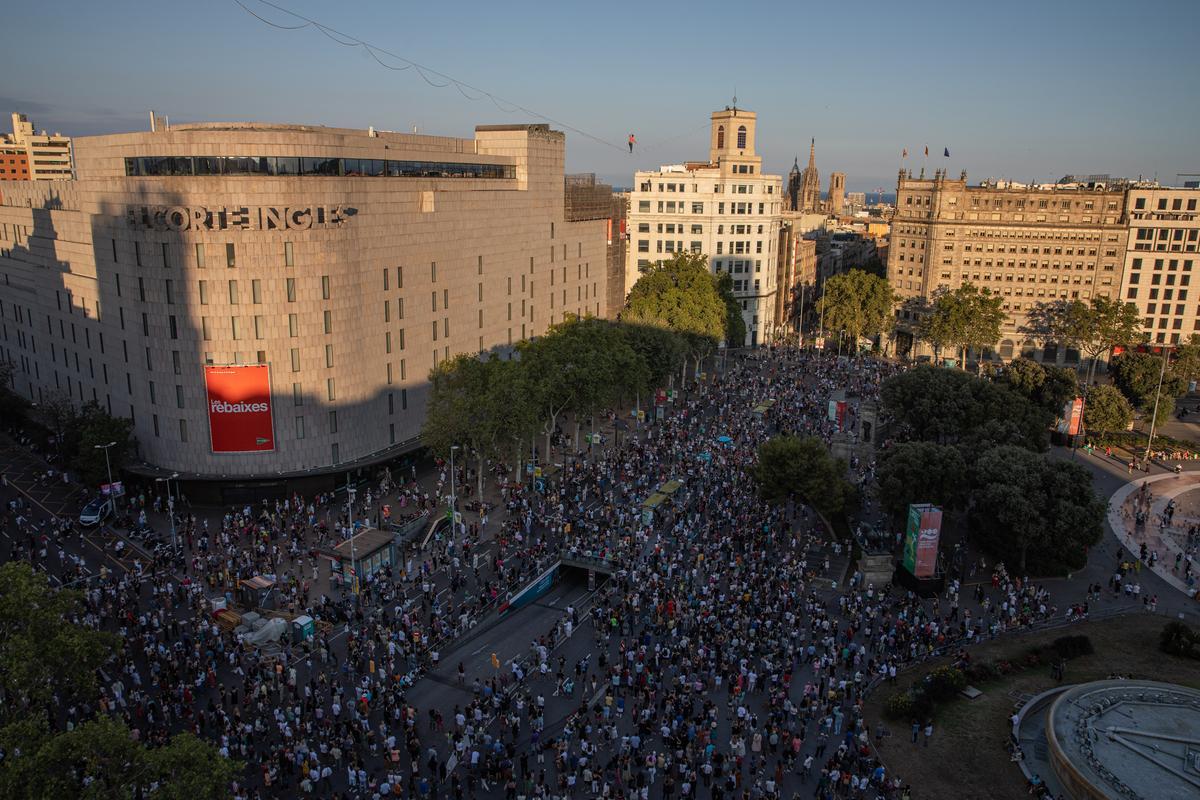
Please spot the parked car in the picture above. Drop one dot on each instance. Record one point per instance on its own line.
(96, 512)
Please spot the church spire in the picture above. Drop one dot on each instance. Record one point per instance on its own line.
(812, 154)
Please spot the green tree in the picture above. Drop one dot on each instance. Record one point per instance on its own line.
(13, 407)
(921, 472)
(857, 304)
(43, 656)
(662, 351)
(188, 768)
(1043, 511)
(1094, 327)
(1106, 410)
(462, 410)
(789, 466)
(100, 760)
(735, 323)
(95, 426)
(966, 317)
(1137, 376)
(681, 295)
(1185, 361)
(1048, 386)
(577, 367)
(952, 407)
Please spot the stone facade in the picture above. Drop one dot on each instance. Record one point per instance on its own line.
(723, 207)
(1028, 244)
(202, 245)
(1161, 256)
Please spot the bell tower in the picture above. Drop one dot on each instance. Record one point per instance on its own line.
(732, 135)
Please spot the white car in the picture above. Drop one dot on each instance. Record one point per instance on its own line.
(96, 512)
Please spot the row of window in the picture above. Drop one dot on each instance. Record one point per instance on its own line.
(288, 166)
(681, 207)
(1177, 203)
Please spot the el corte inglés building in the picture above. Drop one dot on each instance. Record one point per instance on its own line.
(345, 262)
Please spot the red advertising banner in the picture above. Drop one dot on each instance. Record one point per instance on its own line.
(1072, 417)
(239, 409)
(927, 541)
(1075, 420)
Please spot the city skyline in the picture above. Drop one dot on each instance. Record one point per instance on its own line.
(1030, 107)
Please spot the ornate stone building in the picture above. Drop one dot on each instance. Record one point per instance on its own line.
(1028, 244)
(724, 207)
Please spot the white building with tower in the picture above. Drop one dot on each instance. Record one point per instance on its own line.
(725, 208)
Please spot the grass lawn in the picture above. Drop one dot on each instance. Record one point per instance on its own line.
(966, 757)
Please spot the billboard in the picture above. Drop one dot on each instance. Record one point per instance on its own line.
(921, 539)
(239, 409)
(1072, 417)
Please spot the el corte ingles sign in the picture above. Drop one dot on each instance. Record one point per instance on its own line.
(245, 218)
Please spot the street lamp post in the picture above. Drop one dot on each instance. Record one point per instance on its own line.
(108, 469)
(1154, 414)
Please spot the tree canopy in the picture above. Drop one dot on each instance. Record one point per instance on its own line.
(1137, 374)
(1106, 410)
(1094, 327)
(1042, 510)
(790, 466)
(49, 661)
(1048, 386)
(682, 295)
(44, 655)
(966, 317)
(921, 472)
(858, 303)
(945, 406)
(735, 323)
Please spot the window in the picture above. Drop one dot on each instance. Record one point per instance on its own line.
(166, 255)
(293, 325)
(259, 327)
(324, 287)
(291, 290)
(329, 392)
(233, 293)
(199, 255)
(720, 137)
(256, 292)
(333, 422)
(173, 326)
(328, 355)
(288, 260)
(176, 364)
(235, 328)
(205, 329)
(327, 318)
(230, 256)
(295, 354)
(433, 271)
(178, 396)
(741, 137)
(299, 427)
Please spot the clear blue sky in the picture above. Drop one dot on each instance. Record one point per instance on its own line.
(1025, 90)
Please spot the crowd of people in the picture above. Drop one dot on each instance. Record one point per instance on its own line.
(727, 657)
